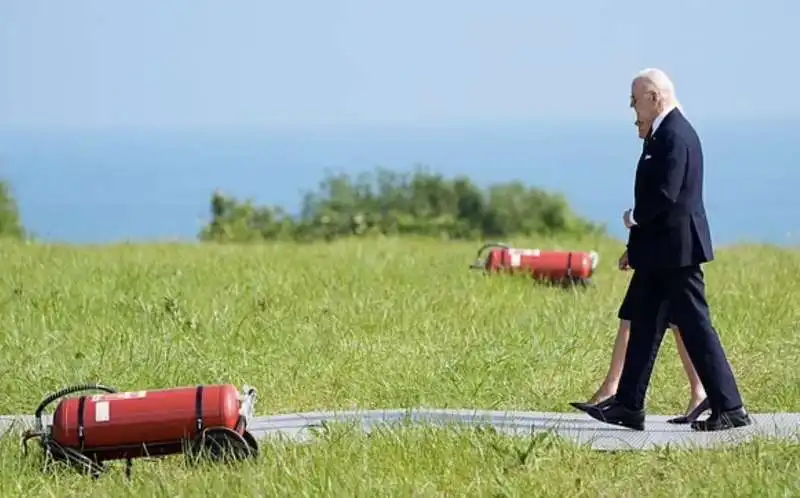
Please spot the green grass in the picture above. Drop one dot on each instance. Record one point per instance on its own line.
(382, 324)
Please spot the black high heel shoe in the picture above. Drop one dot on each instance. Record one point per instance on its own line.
(583, 406)
(692, 416)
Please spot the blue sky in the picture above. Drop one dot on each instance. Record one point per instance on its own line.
(178, 63)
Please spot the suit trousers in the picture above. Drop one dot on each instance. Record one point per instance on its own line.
(630, 303)
(683, 290)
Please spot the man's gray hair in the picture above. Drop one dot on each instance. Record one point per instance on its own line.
(660, 82)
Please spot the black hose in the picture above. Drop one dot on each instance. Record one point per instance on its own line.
(52, 448)
(478, 264)
(68, 390)
(499, 245)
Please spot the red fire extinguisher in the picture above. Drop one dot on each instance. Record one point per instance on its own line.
(570, 267)
(86, 431)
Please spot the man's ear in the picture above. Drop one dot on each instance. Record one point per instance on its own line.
(657, 98)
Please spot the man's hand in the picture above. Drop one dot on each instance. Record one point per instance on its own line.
(623, 261)
(627, 218)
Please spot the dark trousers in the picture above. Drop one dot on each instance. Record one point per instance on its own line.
(684, 291)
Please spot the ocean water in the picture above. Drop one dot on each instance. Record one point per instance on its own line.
(142, 185)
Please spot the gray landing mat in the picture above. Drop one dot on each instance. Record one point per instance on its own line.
(577, 427)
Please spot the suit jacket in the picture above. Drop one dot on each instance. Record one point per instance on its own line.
(672, 229)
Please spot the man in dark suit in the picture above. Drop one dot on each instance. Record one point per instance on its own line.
(668, 241)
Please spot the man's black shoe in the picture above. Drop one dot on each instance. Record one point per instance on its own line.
(721, 421)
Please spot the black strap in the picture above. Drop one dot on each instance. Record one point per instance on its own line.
(569, 264)
(198, 408)
(81, 426)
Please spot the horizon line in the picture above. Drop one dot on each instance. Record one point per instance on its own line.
(378, 125)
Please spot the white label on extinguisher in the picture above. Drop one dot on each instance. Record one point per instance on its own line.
(516, 255)
(119, 396)
(102, 411)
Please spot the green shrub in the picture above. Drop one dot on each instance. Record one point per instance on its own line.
(10, 219)
(389, 203)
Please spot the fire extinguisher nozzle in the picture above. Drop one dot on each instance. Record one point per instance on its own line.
(248, 402)
(595, 259)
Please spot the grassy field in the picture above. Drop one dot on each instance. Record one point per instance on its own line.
(382, 324)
